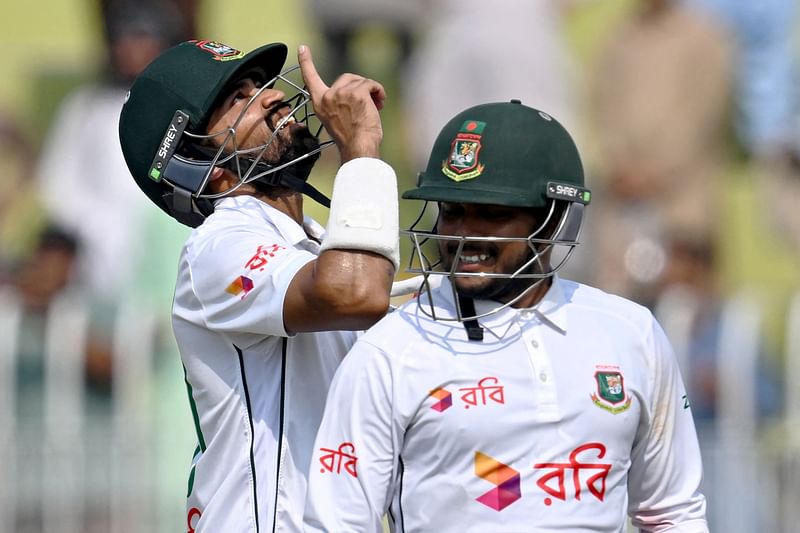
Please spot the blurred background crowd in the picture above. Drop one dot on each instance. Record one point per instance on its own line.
(687, 114)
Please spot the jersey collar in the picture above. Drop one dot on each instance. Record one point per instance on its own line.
(552, 307)
(285, 225)
(550, 310)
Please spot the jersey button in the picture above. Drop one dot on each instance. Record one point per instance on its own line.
(534, 344)
(543, 377)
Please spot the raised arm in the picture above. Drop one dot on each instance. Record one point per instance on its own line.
(348, 286)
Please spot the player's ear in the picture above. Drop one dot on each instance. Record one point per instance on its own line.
(216, 173)
(220, 180)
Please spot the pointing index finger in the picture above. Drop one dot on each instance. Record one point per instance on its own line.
(316, 86)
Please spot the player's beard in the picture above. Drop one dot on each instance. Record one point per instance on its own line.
(293, 142)
(501, 290)
(286, 146)
(302, 142)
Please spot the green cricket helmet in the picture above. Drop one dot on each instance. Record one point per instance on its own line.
(503, 154)
(163, 121)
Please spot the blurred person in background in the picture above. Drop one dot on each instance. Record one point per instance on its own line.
(691, 289)
(658, 102)
(188, 10)
(734, 382)
(83, 181)
(43, 283)
(767, 102)
(764, 35)
(340, 23)
(84, 185)
(472, 51)
(39, 279)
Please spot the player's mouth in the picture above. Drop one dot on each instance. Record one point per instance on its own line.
(286, 123)
(280, 117)
(472, 260)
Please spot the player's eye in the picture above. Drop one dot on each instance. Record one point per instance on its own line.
(497, 214)
(449, 211)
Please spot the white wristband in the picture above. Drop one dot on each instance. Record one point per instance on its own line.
(364, 210)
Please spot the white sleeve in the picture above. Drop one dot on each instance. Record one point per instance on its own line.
(666, 468)
(350, 493)
(237, 283)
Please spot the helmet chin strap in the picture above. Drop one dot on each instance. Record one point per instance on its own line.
(285, 177)
(474, 330)
(187, 175)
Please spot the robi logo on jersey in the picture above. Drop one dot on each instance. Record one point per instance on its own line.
(192, 518)
(262, 256)
(506, 478)
(485, 392)
(553, 482)
(596, 483)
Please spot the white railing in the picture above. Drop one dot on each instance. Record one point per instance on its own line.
(63, 451)
(790, 466)
(751, 463)
(67, 471)
(109, 471)
(10, 317)
(736, 461)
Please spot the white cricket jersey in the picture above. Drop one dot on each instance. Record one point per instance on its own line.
(256, 393)
(566, 417)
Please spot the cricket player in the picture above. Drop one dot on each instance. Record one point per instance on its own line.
(266, 302)
(503, 398)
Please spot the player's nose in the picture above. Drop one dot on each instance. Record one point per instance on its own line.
(269, 97)
(468, 226)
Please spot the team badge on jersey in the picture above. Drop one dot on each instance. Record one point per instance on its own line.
(221, 52)
(610, 393)
(465, 150)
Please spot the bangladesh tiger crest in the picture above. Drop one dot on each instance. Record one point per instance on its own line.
(464, 162)
(221, 52)
(610, 394)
